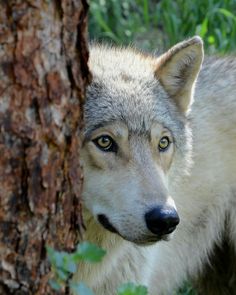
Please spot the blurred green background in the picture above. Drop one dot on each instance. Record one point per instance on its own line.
(157, 25)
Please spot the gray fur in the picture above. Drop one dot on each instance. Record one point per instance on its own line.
(136, 98)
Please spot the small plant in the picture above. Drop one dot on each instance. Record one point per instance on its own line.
(64, 265)
(131, 289)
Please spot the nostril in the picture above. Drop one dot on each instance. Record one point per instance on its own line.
(162, 220)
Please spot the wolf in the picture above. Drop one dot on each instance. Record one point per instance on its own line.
(159, 160)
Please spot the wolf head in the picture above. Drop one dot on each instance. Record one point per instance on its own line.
(136, 139)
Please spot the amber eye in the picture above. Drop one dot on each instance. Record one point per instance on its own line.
(105, 143)
(163, 143)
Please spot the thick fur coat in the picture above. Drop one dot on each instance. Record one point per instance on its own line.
(133, 102)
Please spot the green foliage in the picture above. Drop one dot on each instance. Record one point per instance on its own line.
(64, 265)
(131, 289)
(80, 289)
(88, 252)
(152, 24)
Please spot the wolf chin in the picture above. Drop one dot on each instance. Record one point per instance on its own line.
(159, 159)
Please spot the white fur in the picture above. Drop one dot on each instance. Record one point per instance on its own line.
(203, 197)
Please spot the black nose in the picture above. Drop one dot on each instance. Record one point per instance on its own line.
(162, 220)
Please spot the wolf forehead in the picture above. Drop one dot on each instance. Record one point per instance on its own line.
(124, 88)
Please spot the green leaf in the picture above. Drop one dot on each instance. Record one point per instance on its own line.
(80, 289)
(131, 289)
(89, 252)
(211, 39)
(55, 285)
(69, 264)
(50, 251)
(61, 274)
(227, 13)
(55, 257)
(202, 28)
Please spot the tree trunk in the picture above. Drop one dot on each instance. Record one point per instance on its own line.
(43, 74)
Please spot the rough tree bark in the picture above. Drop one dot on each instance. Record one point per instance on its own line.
(43, 74)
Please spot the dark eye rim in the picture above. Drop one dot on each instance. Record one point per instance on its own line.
(111, 148)
(167, 147)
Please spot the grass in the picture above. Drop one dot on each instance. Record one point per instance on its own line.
(160, 24)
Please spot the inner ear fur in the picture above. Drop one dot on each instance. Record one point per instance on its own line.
(178, 68)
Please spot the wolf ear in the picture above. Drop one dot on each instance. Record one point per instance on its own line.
(178, 68)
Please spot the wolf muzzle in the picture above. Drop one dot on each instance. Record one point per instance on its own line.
(160, 220)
